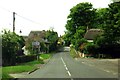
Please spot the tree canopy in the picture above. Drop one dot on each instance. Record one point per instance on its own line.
(11, 42)
(83, 17)
(80, 19)
(80, 15)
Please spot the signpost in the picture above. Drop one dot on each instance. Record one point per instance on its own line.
(36, 46)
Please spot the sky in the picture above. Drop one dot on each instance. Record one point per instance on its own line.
(37, 15)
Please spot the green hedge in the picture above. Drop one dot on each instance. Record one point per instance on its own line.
(25, 58)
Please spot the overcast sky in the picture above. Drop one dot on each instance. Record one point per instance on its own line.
(39, 14)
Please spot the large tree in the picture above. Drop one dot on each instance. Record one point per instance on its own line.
(11, 43)
(80, 15)
(112, 27)
(109, 42)
(52, 38)
(80, 19)
(100, 17)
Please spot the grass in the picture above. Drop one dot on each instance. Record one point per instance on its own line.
(24, 67)
(73, 53)
(45, 56)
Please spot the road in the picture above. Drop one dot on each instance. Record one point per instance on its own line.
(64, 67)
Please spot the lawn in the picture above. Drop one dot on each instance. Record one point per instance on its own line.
(45, 56)
(23, 67)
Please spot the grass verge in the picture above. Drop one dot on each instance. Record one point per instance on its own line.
(45, 56)
(73, 53)
(24, 67)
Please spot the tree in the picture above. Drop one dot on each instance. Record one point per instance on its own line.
(67, 38)
(52, 38)
(80, 19)
(80, 15)
(100, 17)
(109, 42)
(112, 27)
(11, 43)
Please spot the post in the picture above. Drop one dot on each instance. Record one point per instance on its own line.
(13, 21)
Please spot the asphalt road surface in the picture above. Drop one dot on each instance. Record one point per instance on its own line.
(62, 65)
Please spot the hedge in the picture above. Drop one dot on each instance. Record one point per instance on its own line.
(25, 58)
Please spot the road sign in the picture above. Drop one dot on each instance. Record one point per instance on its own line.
(36, 43)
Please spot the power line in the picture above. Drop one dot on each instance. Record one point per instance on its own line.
(6, 9)
(28, 19)
(20, 16)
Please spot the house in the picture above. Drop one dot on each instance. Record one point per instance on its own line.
(92, 33)
(37, 38)
(37, 35)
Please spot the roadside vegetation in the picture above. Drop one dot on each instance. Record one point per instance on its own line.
(84, 17)
(45, 56)
(23, 67)
(15, 61)
(73, 53)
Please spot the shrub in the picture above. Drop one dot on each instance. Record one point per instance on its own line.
(25, 58)
(90, 48)
(11, 42)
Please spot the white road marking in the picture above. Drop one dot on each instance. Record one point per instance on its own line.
(68, 73)
(106, 71)
(66, 67)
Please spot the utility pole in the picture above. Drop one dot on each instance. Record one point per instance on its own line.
(13, 21)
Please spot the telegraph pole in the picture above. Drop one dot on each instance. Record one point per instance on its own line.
(13, 21)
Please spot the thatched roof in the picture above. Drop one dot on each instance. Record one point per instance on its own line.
(92, 33)
(38, 36)
(41, 34)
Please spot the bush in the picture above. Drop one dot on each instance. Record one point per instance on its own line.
(25, 58)
(11, 42)
(90, 48)
(106, 47)
(77, 43)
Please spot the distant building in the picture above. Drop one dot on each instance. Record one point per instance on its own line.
(37, 35)
(92, 33)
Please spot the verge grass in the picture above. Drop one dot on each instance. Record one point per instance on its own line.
(73, 53)
(23, 67)
(45, 56)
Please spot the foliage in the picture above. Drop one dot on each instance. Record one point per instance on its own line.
(11, 43)
(43, 47)
(25, 58)
(108, 43)
(52, 38)
(81, 18)
(80, 15)
(100, 17)
(78, 43)
(73, 52)
(112, 27)
(67, 39)
(45, 56)
(24, 67)
(90, 48)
